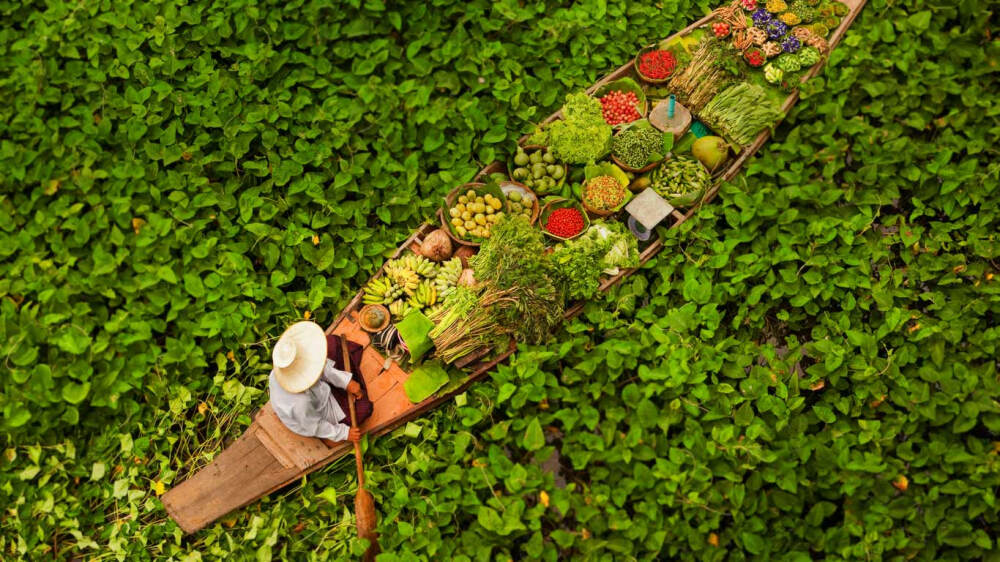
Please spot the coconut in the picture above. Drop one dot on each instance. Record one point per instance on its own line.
(437, 246)
(465, 252)
(710, 151)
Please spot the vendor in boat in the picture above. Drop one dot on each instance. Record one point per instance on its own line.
(309, 387)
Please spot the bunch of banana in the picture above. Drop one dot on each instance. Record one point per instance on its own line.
(419, 264)
(400, 308)
(381, 291)
(434, 310)
(447, 276)
(403, 276)
(425, 295)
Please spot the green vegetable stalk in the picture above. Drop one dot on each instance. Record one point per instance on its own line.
(518, 276)
(741, 111)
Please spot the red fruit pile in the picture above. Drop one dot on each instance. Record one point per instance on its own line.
(657, 65)
(749, 5)
(620, 107)
(720, 29)
(755, 57)
(565, 222)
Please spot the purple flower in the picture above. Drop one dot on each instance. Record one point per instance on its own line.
(761, 18)
(776, 29)
(791, 44)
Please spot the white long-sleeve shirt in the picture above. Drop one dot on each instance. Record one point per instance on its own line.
(315, 412)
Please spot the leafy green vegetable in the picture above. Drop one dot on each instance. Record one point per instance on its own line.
(581, 136)
(602, 249)
(517, 273)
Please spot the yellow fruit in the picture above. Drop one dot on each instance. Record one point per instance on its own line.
(463, 199)
(471, 225)
(481, 219)
(454, 212)
(496, 204)
(467, 216)
(460, 207)
(470, 194)
(461, 231)
(457, 221)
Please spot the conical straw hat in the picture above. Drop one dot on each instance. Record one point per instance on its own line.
(299, 356)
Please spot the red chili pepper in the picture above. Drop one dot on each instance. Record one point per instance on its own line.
(565, 222)
(657, 64)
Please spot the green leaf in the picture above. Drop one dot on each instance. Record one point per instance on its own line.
(74, 393)
(534, 439)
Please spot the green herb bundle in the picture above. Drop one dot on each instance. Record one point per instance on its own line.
(713, 66)
(741, 111)
(462, 326)
(581, 136)
(518, 276)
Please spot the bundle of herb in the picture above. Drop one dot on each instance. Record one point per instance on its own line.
(740, 112)
(462, 327)
(714, 65)
(604, 249)
(517, 274)
(581, 136)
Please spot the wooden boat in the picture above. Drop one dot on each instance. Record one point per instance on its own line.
(268, 456)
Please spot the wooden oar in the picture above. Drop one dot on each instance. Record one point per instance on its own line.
(364, 503)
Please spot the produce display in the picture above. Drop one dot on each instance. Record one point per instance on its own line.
(638, 146)
(713, 66)
(519, 289)
(518, 283)
(519, 204)
(657, 64)
(581, 136)
(741, 111)
(788, 37)
(605, 248)
(678, 177)
(566, 222)
(474, 214)
(412, 282)
(604, 193)
(538, 170)
(619, 107)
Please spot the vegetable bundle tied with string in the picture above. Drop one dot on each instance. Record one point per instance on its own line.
(713, 66)
(741, 111)
(517, 275)
(462, 326)
(515, 295)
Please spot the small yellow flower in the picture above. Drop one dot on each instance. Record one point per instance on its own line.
(315, 240)
(159, 488)
(543, 497)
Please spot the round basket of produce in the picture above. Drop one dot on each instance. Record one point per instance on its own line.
(655, 65)
(682, 181)
(470, 210)
(605, 189)
(537, 169)
(521, 200)
(638, 147)
(563, 219)
(373, 318)
(622, 101)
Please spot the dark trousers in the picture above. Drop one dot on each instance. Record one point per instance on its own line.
(363, 406)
